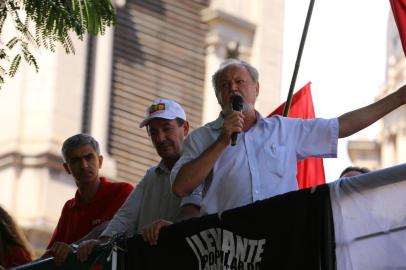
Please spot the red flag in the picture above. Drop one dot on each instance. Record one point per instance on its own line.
(310, 171)
(399, 13)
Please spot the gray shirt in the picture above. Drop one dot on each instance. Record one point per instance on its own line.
(152, 199)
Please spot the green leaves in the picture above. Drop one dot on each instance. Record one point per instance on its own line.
(53, 21)
(14, 65)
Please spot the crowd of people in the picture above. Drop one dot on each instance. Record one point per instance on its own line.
(199, 173)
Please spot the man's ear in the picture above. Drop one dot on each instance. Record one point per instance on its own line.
(66, 167)
(100, 160)
(185, 128)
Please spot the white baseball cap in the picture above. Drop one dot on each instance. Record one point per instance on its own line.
(163, 108)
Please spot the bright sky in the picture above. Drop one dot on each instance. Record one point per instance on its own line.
(344, 58)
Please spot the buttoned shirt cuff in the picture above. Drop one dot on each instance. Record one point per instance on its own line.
(194, 198)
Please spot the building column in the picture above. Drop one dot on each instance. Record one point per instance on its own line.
(226, 33)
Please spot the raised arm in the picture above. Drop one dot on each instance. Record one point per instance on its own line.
(356, 120)
(194, 172)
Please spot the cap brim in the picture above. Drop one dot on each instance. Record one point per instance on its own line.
(144, 122)
(148, 119)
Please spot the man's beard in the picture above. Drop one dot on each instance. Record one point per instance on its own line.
(245, 108)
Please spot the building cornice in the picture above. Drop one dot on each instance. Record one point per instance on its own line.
(19, 160)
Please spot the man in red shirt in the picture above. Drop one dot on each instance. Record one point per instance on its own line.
(95, 202)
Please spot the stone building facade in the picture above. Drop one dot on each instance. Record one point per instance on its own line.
(159, 48)
(389, 147)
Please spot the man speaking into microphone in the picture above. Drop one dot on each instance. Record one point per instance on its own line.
(262, 163)
(237, 104)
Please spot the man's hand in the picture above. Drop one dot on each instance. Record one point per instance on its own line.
(59, 251)
(233, 122)
(150, 233)
(85, 249)
(194, 172)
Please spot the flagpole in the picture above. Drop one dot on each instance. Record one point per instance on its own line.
(298, 58)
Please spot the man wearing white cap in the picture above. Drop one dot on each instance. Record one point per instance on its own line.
(152, 202)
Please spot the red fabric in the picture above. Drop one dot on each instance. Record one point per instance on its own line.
(310, 171)
(399, 13)
(14, 256)
(78, 219)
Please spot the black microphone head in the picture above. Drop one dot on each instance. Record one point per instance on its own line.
(237, 102)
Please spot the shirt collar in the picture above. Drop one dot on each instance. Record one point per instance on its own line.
(78, 203)
(218, 123)
(161, 168)
(259, 117)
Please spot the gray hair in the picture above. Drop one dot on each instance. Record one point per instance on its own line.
(78, 140)
(232, 62)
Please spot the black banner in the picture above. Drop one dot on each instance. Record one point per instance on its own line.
(290, 231)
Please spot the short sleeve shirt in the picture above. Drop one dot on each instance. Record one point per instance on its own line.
(78, 219)
(262, 164)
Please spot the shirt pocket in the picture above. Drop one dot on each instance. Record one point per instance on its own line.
(276, 157)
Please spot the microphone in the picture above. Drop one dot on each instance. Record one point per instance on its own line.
(237, 105)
